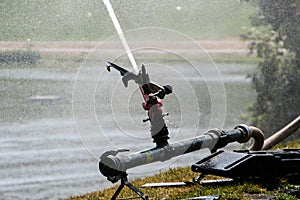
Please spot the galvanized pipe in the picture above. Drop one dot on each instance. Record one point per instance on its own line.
(112, 165)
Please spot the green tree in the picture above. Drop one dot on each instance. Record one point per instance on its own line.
(277, 80)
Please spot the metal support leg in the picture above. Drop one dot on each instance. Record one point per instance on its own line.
(124, 182)
(118, 191)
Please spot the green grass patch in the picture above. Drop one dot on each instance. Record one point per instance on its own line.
(19, 57)
(288, 145)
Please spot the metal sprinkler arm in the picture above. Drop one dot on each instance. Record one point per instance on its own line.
(142, 79)
(126, 75)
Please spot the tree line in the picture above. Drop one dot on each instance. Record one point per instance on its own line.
(275, 38)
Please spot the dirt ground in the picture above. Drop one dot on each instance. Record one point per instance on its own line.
(230, 46)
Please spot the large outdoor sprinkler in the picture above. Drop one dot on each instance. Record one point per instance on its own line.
(114, 165)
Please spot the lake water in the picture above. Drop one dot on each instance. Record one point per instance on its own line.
(57, 119)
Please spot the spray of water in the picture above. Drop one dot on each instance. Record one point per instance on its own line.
(120, 33)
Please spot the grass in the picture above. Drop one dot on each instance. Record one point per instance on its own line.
(246, 190)
(61, 20)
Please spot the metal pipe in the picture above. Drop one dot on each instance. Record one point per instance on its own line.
(282, 134)
(258, 137)
(113, 166)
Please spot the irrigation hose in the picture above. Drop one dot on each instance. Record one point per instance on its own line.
(280, 135)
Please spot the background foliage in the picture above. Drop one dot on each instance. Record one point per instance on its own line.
(278, 75)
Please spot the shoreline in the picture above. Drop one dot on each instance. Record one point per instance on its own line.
(214, 47)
